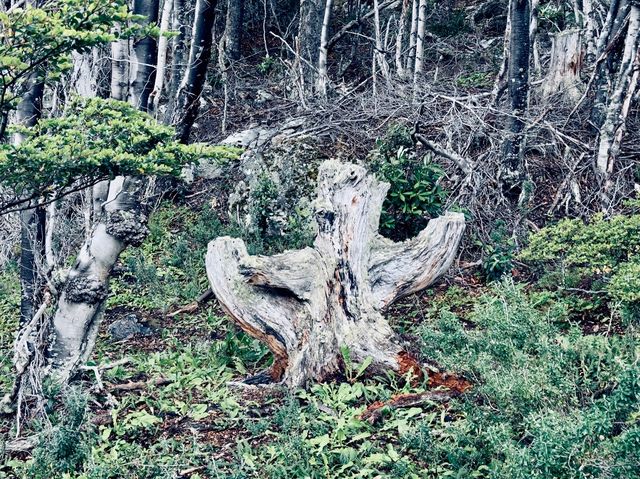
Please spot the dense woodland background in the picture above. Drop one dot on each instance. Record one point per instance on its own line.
(501, 342)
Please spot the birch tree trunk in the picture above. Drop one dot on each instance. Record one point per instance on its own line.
(613, 128)
(161, 63)
(413, 35)
(179, 56)
(323, 75)
(188, 96)
(143, 62)
(79, 310)
(422, 24)
(120, 69)
(402, 28)
(307, 305)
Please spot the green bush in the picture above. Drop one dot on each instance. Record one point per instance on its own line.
(498, 253)
(66, 446)
(415, 194)
(545, 403)
(9, 314)
(602, 255)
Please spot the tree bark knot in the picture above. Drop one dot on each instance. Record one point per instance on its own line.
(307, 305)
(85, 289)
(130, 227)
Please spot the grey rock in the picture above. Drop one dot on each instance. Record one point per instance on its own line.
(127, 327)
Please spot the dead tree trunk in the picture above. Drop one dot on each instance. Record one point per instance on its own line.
(308, 304)
(565, 65)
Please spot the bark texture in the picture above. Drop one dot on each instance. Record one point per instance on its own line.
(188, 96)
(79, 310)
(518, 87)
(308, 304)
(145, 50)
(565, 65)
(233, 29)
(309, 32)
(120, 70)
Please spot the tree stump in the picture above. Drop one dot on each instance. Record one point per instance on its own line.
(306, 305)
(565, 65)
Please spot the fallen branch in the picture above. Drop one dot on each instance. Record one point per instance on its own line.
(132, 386)
(111, 401)
(378, 409)
(24, 444)
(461, 162)
(193, 307)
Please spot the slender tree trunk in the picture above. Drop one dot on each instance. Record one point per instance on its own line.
(533, 40)
(613, 128)
(323, 76)
(143, 65)
(188, 96)
(501, 83)
(379, 60)
(308, 305)
(309, 31)
(161, 63)
(588, 24)
(32, 221)
(519, 49)
(422, 25)
(233, 29)
(179, 57)
(413, 36)
(402, 28)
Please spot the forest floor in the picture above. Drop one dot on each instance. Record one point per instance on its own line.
(174, 408)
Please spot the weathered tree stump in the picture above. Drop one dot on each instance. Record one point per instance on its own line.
(308, 304)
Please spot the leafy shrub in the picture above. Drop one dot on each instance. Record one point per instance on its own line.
(475, 80)
(603, 255)
(497, 254)
(64, 448)
(545, 403)
(415, 194)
